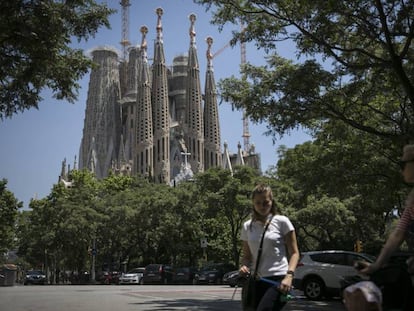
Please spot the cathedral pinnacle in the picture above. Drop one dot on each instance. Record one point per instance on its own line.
(144, 31)
(159, 12)
(192, 18)
(209, 55)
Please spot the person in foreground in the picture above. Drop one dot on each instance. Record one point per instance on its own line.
(395, 283)
(274, 263)
(404, 228)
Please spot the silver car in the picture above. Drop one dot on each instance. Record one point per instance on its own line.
(322, 273)
(132, 277)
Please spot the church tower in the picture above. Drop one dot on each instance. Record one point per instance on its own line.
(102, 130)
(194, 125)
(128, 105)
(212, 153)
(143, 151)
(160, 109)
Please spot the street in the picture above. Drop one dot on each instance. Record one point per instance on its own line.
(138, 298)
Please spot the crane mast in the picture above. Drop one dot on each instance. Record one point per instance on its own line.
(246, 133)
(125, 27)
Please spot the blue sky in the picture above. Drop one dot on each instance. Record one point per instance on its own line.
(35, 142)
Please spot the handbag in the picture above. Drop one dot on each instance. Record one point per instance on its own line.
(249, 296)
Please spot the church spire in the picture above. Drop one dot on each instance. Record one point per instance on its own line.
(212, 153)
(194, 113)
(143, 161)
(160, 109)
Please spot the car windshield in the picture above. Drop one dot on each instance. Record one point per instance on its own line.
(137, 270)
(152, 268)
(208, 268)
(35, 272)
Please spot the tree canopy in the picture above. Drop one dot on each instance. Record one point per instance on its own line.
(36, 52)
(9, 207)
(354, 64)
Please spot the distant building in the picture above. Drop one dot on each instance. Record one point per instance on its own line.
(154, 120)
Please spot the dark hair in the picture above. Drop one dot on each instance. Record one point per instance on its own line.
(260, 189)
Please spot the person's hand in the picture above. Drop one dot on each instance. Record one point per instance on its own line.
(366, 268)
(286, 284)
(244, 270)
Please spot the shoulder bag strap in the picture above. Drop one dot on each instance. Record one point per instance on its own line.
(259, 252)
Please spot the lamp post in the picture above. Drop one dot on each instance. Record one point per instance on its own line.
(93, 261)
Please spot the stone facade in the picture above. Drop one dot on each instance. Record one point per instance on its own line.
(151, 119)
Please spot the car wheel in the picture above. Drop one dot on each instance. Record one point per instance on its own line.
(313, 288)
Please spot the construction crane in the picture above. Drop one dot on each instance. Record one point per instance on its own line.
(246, 133)
(125, 27)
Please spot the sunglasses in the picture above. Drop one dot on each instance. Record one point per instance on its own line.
(403, 163)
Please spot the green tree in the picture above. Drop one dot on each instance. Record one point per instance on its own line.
(59, 228)
(227, 206)
(346, 165)
(188, 218)
(355, 64)
(36, 52)
(9, 207)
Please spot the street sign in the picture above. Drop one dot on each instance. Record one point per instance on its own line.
(203, 242)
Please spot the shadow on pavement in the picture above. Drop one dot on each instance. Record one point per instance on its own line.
(192, 304)
(234, 305)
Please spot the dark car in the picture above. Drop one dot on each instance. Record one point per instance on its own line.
(158, 273)
(35, 277)
(233, 278)
(400, 258)
(213, 273)
(185, 275)
(109, 277)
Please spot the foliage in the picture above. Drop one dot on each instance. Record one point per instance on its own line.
(35, 52)
(355, 64)
(132, 222)
(350, 86)
(9, 207)
(347, 166)
(227, 205)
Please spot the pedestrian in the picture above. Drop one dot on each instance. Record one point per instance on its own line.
(404, 229)
(279, 255)
(394, 281)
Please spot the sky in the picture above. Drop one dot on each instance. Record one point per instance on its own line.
(34, 143)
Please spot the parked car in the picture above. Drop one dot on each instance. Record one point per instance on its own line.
(321, 273)
(133, 276)
(109, 277)
(35, 277)
(158, 273)
(185, 275)
(233, 278)
(400, 257)
(213, 273)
